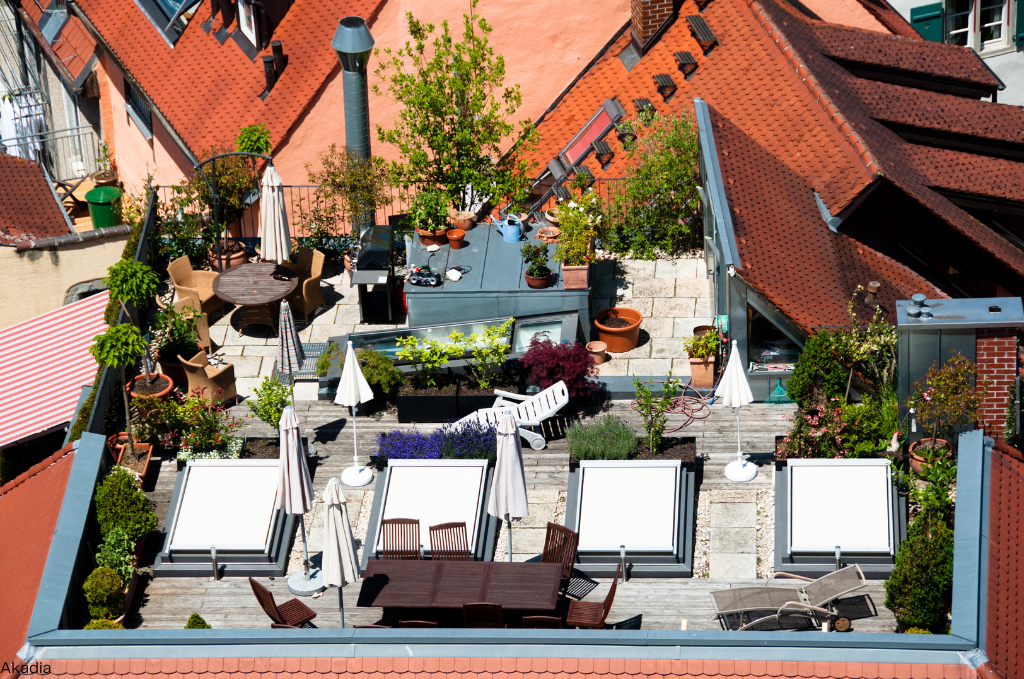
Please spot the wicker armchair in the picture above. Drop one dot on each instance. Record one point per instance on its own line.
(215, 383)
(306, 299)
(196, 285)
(202, 321)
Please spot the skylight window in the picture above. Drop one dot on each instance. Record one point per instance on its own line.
(596, 128)
(169, 17)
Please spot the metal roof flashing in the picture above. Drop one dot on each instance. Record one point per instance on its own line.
(922, 314)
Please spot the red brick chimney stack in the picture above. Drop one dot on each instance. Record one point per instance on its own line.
(996, 362)
(648, 18)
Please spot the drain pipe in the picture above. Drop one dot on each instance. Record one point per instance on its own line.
(353, 43)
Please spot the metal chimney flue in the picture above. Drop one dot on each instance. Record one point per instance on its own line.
(353, 43)
(279, 62)
(269, 72)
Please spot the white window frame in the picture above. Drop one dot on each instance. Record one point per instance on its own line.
(247, 21)
(974, 27)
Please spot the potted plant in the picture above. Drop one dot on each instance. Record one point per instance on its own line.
(569, 362)
(535, 259)
(619, 328)
(232, 253)
(106, 175)
(429, 215)
(552, 216)
(484, 354)
(944, 399)
(430, 395)
(701, 348)
(104, 592)
(268, 403)
(120, 347)
(174, 335)
(206, 431)
(463, 220)
(118, 552)
(457, 238)
(579, 220)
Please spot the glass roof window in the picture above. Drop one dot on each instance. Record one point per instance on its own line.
(768, 348)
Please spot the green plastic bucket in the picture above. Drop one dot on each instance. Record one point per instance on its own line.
(103, 206)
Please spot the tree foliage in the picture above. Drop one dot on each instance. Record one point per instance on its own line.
(455, 112)
(254, 139)
(818, 375)
(119, 347)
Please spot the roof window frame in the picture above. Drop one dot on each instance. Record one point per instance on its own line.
(615, 112)
(170, 28)
(138, 110)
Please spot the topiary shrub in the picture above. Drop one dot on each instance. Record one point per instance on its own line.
(923, 577)
(195, 621)
(104, 590)
(103, 623)
(916, 630)
(606, 439)
(818, 375)
(120, 503)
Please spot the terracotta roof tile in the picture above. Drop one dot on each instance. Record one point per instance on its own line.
(30, 212)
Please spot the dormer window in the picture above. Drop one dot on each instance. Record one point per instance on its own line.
(247, 20)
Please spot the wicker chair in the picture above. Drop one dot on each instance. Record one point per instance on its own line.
(307, 297)
(541, 622)
(197, 285)
(202, 321)
(215, 383)
(292, 612)
(592, 614)
(560, 547)
(401, 540)
(483, 616)
(448, 542)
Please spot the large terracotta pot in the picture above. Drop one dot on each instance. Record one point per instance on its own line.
(463, 220)
(228, 260)
(142, 397)
(171, 366)
(576, 277)
(141, 448)
(538, 282)
(619, 340)
(702, 372)
(435, 237)
(917, 462)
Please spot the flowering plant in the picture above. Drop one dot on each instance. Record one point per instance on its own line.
(578, 220)
(817, 432)
(203, 426)
(470, 441)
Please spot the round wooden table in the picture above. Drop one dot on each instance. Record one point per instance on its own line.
(253, 288)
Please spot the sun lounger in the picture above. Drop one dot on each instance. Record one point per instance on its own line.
(815, 601)
(528, 411)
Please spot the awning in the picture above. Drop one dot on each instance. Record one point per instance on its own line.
(44, 362)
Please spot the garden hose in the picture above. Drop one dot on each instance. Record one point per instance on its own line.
(693, 407)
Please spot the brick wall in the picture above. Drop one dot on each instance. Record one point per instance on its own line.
(1004, 636)
(648, 16)
(997, 363)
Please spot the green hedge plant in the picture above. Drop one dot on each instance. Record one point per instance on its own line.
(703, 345)
(118, 553)
(195, 621)
(120, 503)
(923, 576)
(103, 623)
(818, 375)
(379, 370)
(104, 590)
(608, 438)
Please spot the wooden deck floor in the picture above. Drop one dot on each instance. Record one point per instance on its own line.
(663, 603)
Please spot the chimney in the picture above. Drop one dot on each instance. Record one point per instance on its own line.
(649, 19)
(279, 61)
(268, 70)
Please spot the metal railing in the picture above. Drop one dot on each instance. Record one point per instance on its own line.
(66, 154)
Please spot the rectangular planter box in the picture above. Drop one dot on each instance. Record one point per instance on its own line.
(576, 277)
(427, 408)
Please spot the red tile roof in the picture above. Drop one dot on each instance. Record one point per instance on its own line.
(792, 120)
(28, 208)
(29, 505)
(497, 668)
(1004, 638)
(889, 17)
(206, 90)
(72, 46)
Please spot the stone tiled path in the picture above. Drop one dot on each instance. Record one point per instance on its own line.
(674, 297)
(733, 552)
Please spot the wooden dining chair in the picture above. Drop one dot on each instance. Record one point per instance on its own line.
(592, 614)
(483, 616)
(371, 626)
(541, 622)
(560, 547)
(401, 540)
(416, 624)
(449, 542)
(274, 625)
(292, 612)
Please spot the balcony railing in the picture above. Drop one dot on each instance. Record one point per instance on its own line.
(66, 154)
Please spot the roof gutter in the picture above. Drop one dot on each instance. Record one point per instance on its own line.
(713, 191)
(80, 13)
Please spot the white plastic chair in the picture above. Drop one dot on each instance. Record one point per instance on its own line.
(531, 411)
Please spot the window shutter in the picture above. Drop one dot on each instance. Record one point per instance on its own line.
(1019, 29)
(927, 20)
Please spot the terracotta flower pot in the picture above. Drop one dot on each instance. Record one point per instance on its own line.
(619, 340)
(576, 277)
(538, 282)
(548, 235)
(228, 260)
(435, 237)
(463, 221)
(142, 449)
(456, 238)
(702, 372)
(917, 462)
(551, 215)
(597, 352)
(142, 397)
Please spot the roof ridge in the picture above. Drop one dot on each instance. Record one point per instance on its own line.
(36, 469)
(823, 99)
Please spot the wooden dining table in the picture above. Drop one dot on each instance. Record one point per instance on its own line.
(451, 584)
(253, 288)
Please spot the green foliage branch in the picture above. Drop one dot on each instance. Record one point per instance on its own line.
(653, 408)
(488, 350)
(254, 139)
(271, 398)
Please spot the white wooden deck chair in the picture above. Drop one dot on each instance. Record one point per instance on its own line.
(528, 411)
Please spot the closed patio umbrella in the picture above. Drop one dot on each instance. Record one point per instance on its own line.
(508, 485)
(353, 390)
(734, 391)
(295, 490)
(339, 557)
(277, 242)
(289, 347)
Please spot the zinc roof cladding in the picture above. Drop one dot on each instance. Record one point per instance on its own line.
(29, 505)
(500, 668)
(208, 91)
(28, 209)
(1004, 640)
(73, 46)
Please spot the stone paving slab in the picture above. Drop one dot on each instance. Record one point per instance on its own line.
(733, 515)
(733, 540)
(732, 566)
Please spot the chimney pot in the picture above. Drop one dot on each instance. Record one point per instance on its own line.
(278, 51)
(268, 70)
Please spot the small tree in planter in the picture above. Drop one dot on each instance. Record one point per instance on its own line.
(429, 216)
(175, 334)
(701, 350)
(104, 590)
(652, 409)
(947, 398)
(134, 283)
(923, 576)
(488, 349)
(120, 347)
(121, 504)
(538, 273)
(578, 221)
(427, 356)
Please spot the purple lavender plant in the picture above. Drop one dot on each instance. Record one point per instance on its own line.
(467, 442)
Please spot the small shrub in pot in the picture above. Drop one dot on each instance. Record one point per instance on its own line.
(271, 398)
(103, 623)
(120, 503)
(104, 590)
(922, 579)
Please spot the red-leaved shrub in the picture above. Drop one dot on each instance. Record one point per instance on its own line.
(569, 361)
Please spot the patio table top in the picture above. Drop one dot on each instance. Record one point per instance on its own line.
(254, 284)
(450, 584)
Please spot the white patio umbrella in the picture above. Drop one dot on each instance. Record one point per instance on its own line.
(294, 487)
(353, 390)
(339, 556)
(289, 347)
(508, 485)
(734, 391)
(277, 242)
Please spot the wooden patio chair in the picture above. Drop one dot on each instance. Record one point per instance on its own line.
(292, 612)
(449, 542)
(592, 614)
(401, 540)
(216, 384)
(541, 622)
(197, 285)
(371, 626)
(413, 624)
(483, 616)
(560, 547)
(307, 298)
